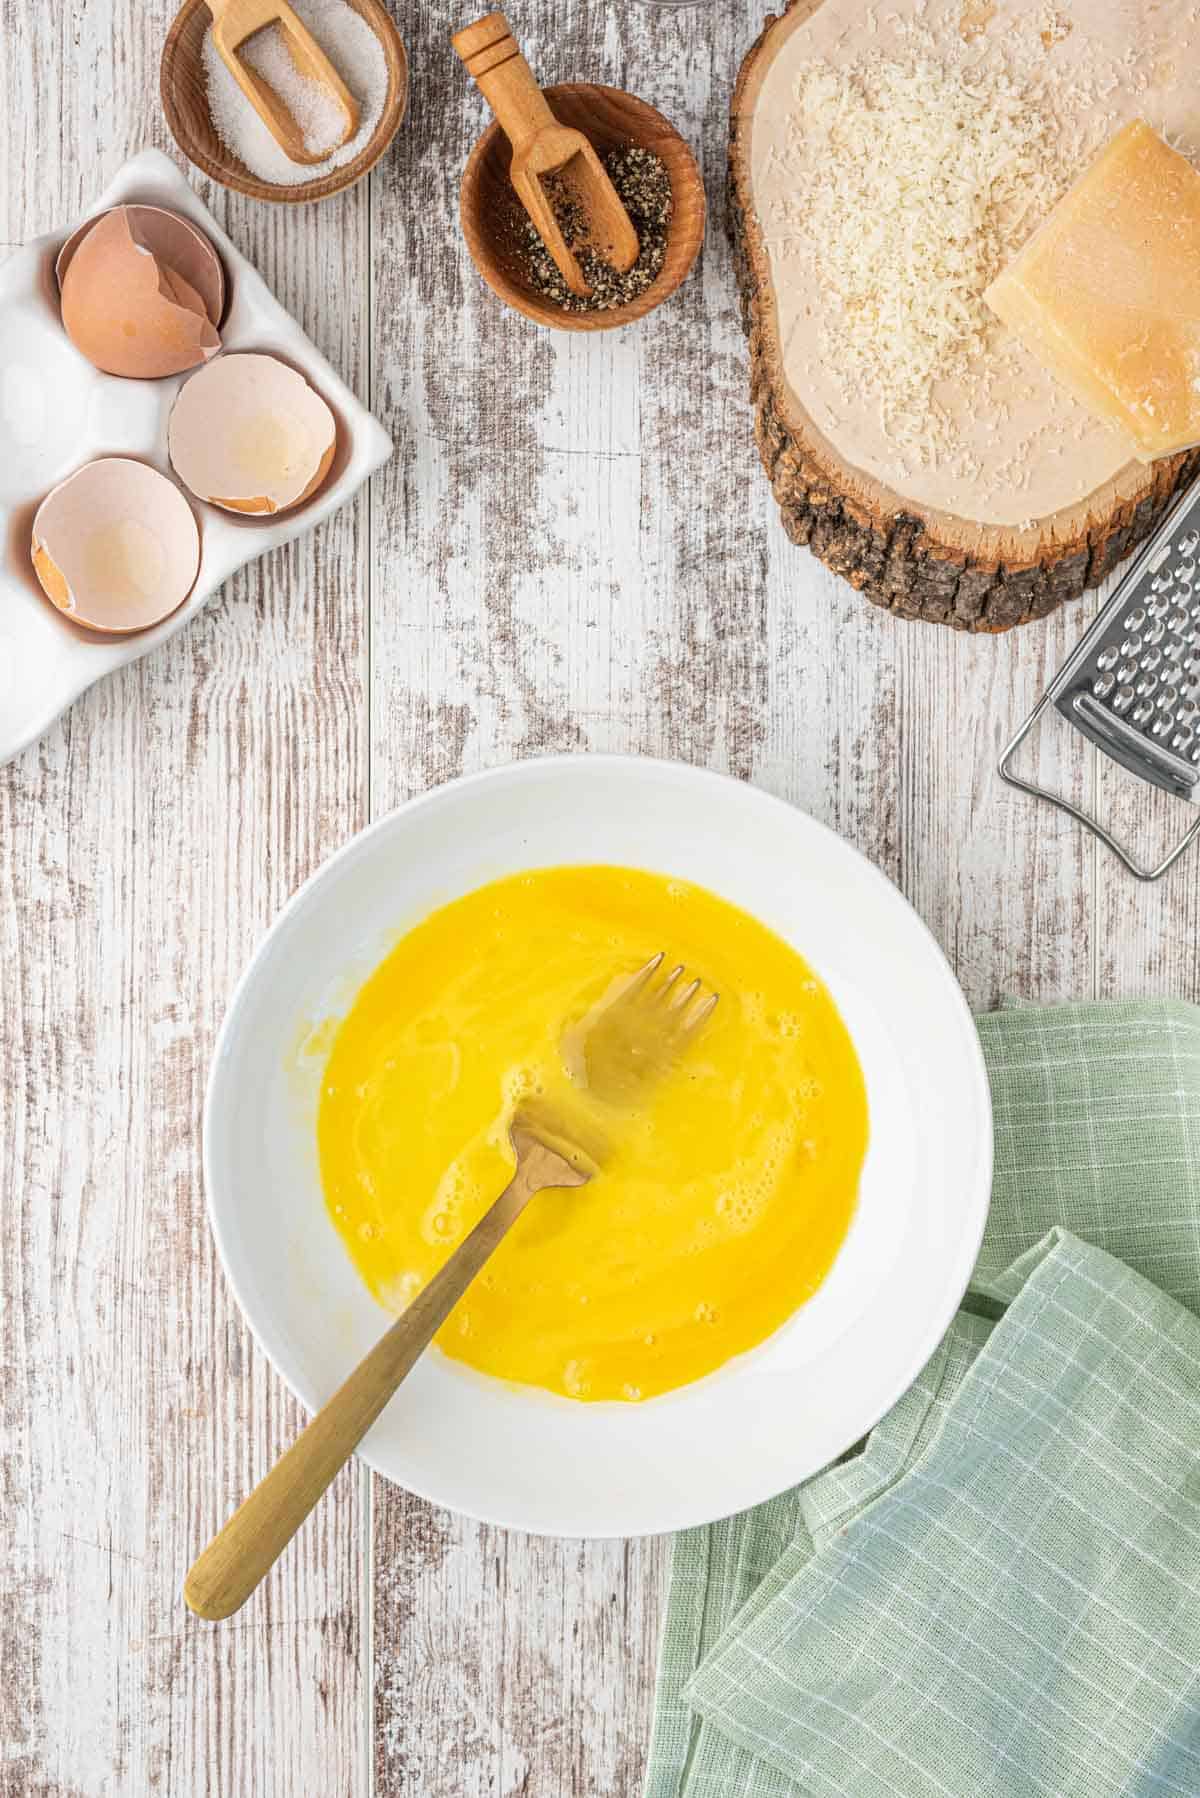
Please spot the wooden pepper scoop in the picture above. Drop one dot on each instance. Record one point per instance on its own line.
(541, 146)
(236, 20)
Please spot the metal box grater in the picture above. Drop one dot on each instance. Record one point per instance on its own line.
(1133, 685)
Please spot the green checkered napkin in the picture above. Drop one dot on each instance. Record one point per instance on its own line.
(998, 1596)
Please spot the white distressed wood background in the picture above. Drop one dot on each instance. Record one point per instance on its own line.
(573, 548)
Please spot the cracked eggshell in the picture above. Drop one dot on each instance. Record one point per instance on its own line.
(250, 435)
(138, 293)
(115, 546)
(174, 240)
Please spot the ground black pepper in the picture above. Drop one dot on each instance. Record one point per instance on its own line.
(644, 186)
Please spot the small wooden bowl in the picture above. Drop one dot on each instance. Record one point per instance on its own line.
(185, 102)
(493, 218)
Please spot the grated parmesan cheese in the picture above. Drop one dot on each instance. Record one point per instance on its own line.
(931, 178)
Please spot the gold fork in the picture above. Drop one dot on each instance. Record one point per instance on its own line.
(636, 1033)
(635, 1036)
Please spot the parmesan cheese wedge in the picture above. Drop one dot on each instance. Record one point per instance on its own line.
(1106, 293)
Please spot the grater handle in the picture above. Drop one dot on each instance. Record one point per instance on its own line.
(1081, 817)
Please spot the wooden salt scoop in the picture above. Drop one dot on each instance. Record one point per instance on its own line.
(236, 20)
(541, 146)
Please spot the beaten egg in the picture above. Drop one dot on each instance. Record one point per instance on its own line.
(719, 1204)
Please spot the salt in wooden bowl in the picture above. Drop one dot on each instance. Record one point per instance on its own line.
(493, 219)
(185, 102)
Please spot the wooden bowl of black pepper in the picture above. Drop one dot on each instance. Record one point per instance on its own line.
(667, 214)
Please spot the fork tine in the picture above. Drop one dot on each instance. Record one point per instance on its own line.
(664, 992)
(686, 996)
(644, 976)
(700, 1016)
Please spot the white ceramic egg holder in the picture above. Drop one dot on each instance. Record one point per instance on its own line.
(58, 412)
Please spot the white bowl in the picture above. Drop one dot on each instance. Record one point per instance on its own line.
(526, 1459)
(58, 412)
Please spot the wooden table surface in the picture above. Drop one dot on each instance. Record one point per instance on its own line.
(572, 549)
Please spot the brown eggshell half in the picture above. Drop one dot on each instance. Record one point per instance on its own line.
(115, 546)
(249, 434)
(129, 313)
(180, 247)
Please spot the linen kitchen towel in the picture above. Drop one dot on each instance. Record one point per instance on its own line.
(999, 1594)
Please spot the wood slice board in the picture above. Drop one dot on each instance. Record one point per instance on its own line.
(911, 559)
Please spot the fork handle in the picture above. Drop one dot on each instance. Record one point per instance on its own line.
(494, 61)
(229, 1569)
